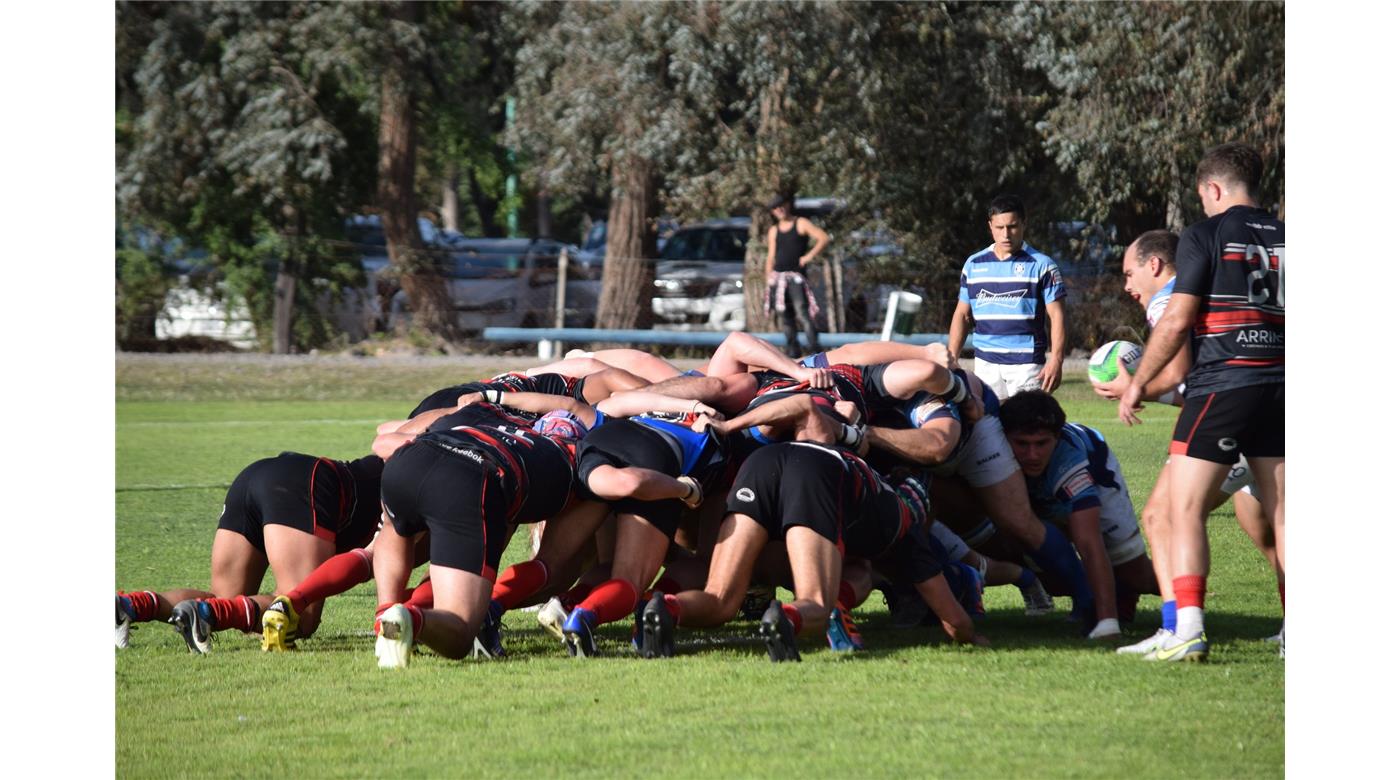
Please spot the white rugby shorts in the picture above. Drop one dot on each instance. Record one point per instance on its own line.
(1008, 380)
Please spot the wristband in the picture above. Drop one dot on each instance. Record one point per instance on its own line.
(850, 436)
(956, 392)
(492, 396)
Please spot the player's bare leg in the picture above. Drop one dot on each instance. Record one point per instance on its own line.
(1195, 484)
(741, 540)
(904, 378)
(236, 567)
(459, 605)
(729, 394)
(643, 364)
(816, 577)
(1249, 513)
(637, 558)
(293, 556)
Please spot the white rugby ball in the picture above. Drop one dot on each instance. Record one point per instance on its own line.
(1103, 365)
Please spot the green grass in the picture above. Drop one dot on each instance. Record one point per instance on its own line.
(1039, 703)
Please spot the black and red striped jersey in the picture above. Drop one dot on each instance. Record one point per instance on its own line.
(1234, 263)
(538, 470)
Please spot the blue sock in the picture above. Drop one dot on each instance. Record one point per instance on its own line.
(1169, 615)
(1057, 555)
(1026, 579)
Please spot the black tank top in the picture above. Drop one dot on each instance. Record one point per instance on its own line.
(791, 246)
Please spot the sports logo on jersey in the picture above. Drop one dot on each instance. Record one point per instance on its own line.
(1078, 482)
(1010, 300)
(744, 494)
(1018, 268)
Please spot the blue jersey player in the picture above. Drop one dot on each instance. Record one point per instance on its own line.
(1074, 479)
(1012, 297)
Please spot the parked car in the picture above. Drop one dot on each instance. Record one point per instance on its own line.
(700, 276)
(511, 282)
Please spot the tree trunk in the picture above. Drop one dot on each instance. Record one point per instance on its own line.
(625, 301)
(544, 220)
(398, 206)
(451, 203)
(283, 297)
(755, 283)
(768, 177)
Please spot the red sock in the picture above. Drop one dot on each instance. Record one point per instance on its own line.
(847, 597)
(1280, 594)
(793, 617)
(422, 596)
(575, 595)
(1190, 591)
(414, 613)
(239, 612)
(143, 605)
(338, 574)
(520, 582)
(673, 605)
(613, 600)
(667, 585)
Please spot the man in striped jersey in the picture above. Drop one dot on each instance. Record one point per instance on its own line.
(1229, 299)
(1012, 298)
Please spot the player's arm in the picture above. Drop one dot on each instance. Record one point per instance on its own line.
(958, 330)
(1055, 356)
(784, 413)
(819, 237)
(535, 403)
(740, 352)
(417, 424)
(386, 444)
(929, 445)
(639, 401)
(956, 623)
(1088, 541)
(772, 251)
(1168, 339)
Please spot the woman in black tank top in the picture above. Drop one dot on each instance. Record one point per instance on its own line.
(788, 256)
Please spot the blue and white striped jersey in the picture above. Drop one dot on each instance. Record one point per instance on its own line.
(1078, 468)
(1158, 305)
(1008, 299)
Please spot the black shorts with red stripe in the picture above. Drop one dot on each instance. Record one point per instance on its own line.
(1221, 426)
(455, 493)
(326, 498)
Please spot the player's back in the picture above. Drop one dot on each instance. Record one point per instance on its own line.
(1234, 262)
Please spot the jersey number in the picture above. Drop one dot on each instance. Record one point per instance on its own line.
(1265, 284)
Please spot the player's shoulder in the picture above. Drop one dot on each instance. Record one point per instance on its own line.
(982, 255)
(1038, 256)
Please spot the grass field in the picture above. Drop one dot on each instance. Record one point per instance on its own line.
(1039, 703)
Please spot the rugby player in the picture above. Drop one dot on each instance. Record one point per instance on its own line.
(465, 482)
(821, 502)
(1228, 299)
(1149, 272)
(1074, 479)
(290, 513)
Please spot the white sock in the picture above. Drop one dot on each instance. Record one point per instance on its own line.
(1190, 621)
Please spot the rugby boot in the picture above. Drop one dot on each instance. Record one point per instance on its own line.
(393, 643)
(1148, 645)
(1177, 648)
(658, 629)
(488, 640)
(578, 633)
(756, 601)
(636, 640)
(551, 618)
(777, 633)
(194, 622)
(123, 622)
(279, 626)
(841, 632)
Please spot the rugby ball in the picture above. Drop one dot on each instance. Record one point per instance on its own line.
(1103, 366)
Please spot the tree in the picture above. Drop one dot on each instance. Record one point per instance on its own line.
(1142, 89)
(238, 136)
